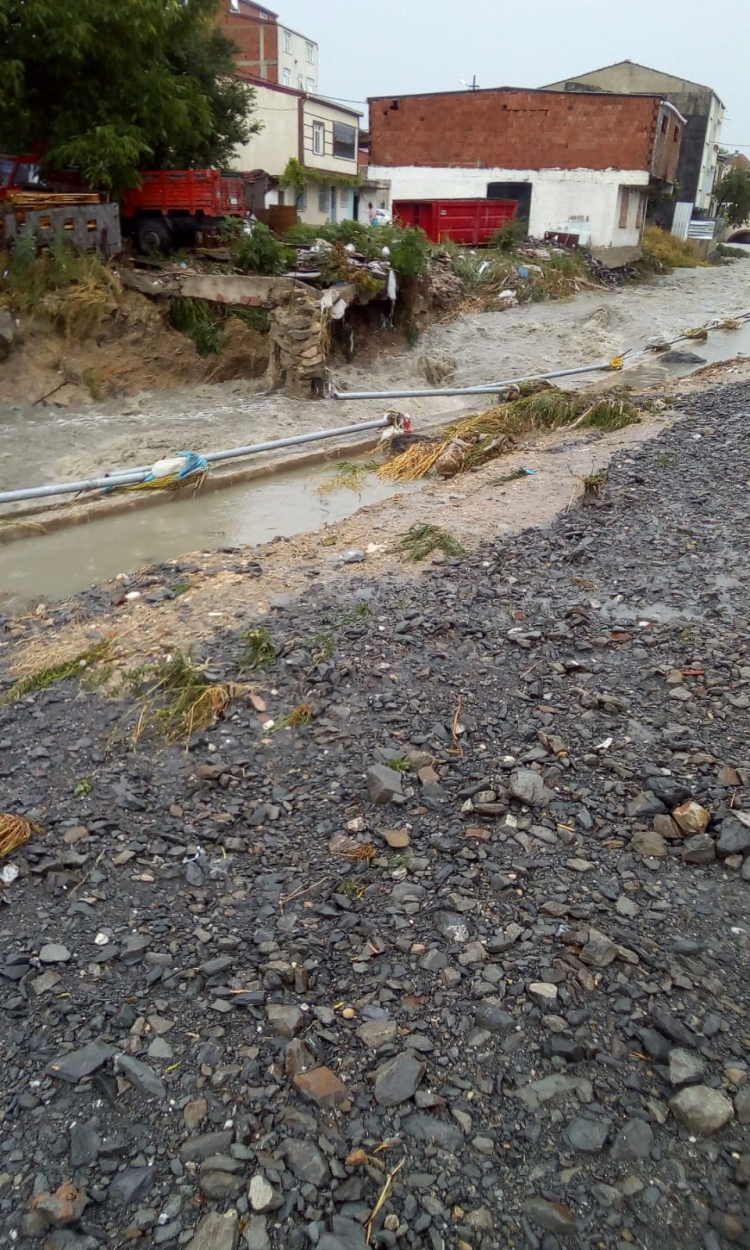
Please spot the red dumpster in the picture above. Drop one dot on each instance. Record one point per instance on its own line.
(462, 221)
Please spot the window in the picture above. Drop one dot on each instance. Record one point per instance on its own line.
(311, 84)
(664, 124)
(310, 49)
(300, 83)
(287, 78)
(624, 206)
(319, 132)
(641, 211)
(344, 141)
(324, 200)
(287, 41)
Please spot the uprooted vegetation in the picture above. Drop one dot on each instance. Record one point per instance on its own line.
(173, 699)
(475, 441)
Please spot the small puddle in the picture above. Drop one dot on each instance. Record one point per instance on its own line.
(63, 562)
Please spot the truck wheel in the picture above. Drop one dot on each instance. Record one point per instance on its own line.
(152, 234)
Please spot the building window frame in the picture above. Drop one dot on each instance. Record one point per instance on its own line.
(319, 139)
(344, 141)
(287, 41)
(287, 77)
(310, 51)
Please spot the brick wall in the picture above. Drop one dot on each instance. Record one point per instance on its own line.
(515, 130)
(256, 34)
(667, 144)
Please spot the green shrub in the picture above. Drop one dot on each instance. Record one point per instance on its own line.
(261, 251)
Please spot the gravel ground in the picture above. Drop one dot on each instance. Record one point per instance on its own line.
(253, 987)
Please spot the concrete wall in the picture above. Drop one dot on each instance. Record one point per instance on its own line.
(577, 201)
(325, 114)
(278, 111)
(710, 155)
(295, 68)
(514, 130)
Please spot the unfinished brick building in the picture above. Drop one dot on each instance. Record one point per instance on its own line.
(579, 164)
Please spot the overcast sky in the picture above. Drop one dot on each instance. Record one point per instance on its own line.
(375, 47)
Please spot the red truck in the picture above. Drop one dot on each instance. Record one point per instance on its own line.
(462, 221)
(168, 209)
(172, 205)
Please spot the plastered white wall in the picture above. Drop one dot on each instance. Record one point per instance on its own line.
(576, 200)
(279, 138)
(710, 154)
(321, 111)
(302, 73)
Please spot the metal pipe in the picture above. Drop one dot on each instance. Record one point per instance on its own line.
(133, 476)
(488, 389)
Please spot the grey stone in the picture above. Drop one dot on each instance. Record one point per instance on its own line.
(287, 1021)
(220, 1185)
(587, 1135)
(54, 953)
(685, 1068)
(676, 356)
(702, 1110)
(383, 784)
(260, 1194)
(553, 1217)
(81, 1063)
(377, 1033)
(141, 1077)
(490, 1016)
(131, 1185)
(85, 1144)
(197, 1149)
(427, 1128)
(306, 1162)
(734, 838)
(256, 1233)
(452, 926)
(397, 1079)
(646, 804)
(634, 1141)
(667, 789)
(673, 1028)
(700, 849)
(216, 1232)
(599, 951)
(527, 786)
(742, 1105)
(329, 1241)
(539, 1092)
(649, 844)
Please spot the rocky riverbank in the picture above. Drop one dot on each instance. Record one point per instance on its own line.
(452, 954)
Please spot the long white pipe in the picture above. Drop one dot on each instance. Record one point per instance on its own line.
(133, 476)
(487, 389)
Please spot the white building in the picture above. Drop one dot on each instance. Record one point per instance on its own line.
(321, 135)
(298, 61)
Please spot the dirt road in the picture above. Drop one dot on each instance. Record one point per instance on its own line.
(40, 445)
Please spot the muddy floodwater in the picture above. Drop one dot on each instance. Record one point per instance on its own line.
(56, 565)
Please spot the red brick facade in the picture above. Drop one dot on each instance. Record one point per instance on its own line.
(515, 129)
(255, 31)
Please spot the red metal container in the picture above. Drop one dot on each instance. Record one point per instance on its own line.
(462, 221)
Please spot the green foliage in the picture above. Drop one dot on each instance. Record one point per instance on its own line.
(662, 252)
(258, 652)
(256, 318)
(731, 253)
(113, 87)
(409, 247)
(200, 320)
(295, 175)
(260, 251)
(421, 539)
(41, 678)
(733, 195)
(410, 251)
(508, 237)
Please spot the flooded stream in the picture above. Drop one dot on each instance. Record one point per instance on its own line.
(58, 564)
